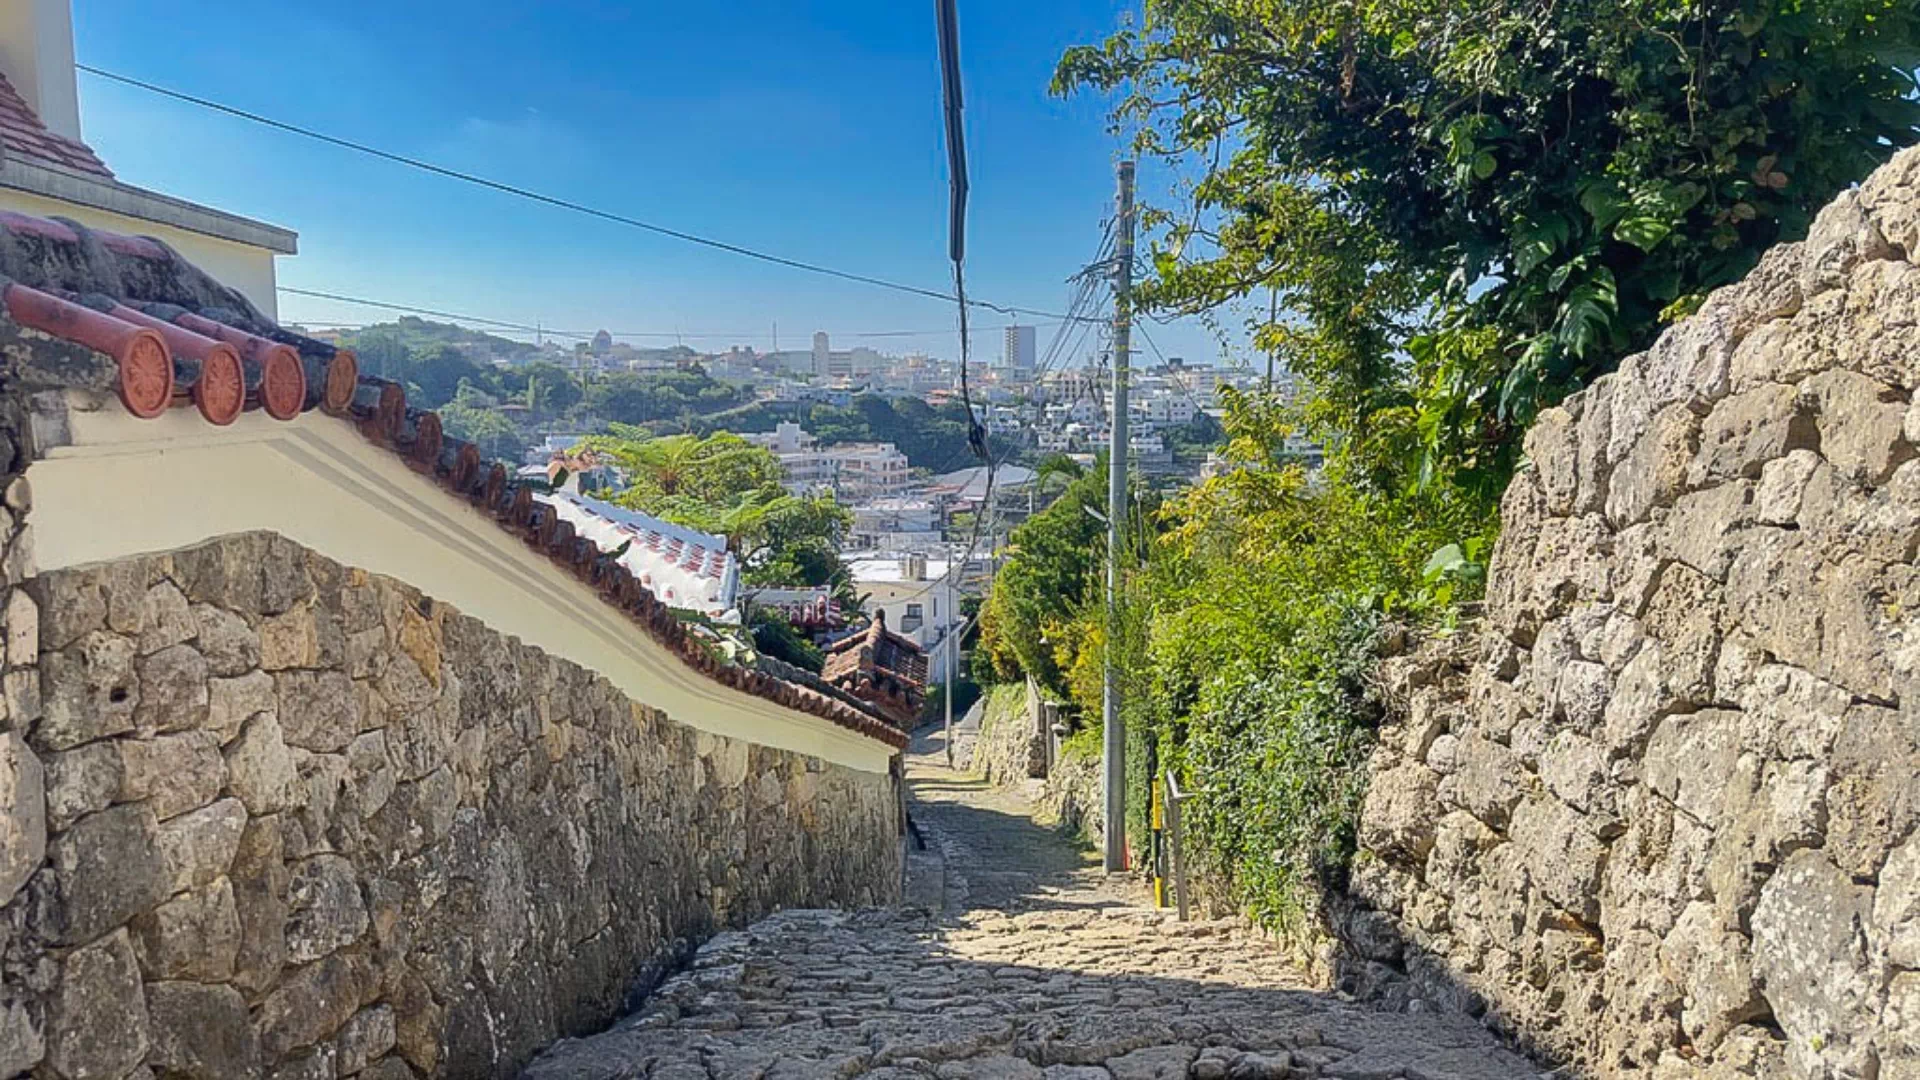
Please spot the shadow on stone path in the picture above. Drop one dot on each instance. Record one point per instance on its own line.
(1038, 967)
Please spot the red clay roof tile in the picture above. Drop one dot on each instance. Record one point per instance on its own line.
(21, 132)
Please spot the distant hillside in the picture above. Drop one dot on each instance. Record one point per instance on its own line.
(410, 334)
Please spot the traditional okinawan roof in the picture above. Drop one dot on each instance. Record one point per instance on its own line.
(171, 336)
(22, 133)
(882, 668)
(683, 567)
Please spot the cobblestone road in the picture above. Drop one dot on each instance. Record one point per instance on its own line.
(1038, 968)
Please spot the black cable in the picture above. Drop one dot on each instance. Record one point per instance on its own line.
(550, 200)
(556, 332)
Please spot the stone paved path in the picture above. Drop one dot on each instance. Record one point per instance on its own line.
(1038, 968)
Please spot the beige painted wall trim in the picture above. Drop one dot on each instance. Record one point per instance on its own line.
(126, 486)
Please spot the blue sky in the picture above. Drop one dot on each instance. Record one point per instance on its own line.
(805, 129)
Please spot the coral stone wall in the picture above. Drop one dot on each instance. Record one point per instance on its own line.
(265, 814)
(1661, 821)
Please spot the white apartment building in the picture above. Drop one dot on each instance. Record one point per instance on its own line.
(919, 602)
(869, 470)
(1166, 408)
(853, 471)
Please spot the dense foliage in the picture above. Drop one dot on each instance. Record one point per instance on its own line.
(1463, 212)
(1468, 210)
(501, 405)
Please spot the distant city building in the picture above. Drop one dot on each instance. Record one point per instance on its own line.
(602, 343)
(822, 353)
(1021, 353)
(854, 472)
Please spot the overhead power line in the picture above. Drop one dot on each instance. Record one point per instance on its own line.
(507, 325)
(549, 200)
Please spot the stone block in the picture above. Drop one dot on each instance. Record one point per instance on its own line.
(1396, 820)
(284, 580)
(418, 813)
(230, 702)
(365, 1039)
(260, 879)
(173, 690)
(1860, 424)
(225, 574)
(1693, 758)
(1488, 782)
(371, 771)
(201, 1031)
(97, 1020)
(1685, 615)
(231, 646)
(1748, 430)
(1580, 694)
(23, 814)
(1896, 907)
(1564, 855)
(261, 767)
(1810, 957)
(1653, 470)
(1551, 444)
(195, 935)
(89, 690)
(324, 908)
(313, 1002)
(23, 1036)
(82, 781)
(1691, 363)
(290, 639)
(23, 629)
(1782, 483)
(317, 710)
(1873, 801)
(72, 606)
(1711, 963)
(1707, 529)
(1843, 236)
(198, 847)
(109, 868)
(174, 773)
(166, 620)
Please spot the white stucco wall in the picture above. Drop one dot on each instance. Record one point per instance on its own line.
(127, 486)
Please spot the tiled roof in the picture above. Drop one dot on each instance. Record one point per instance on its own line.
(22, 133)
(177, 336)
(881, 668)
(685, 567)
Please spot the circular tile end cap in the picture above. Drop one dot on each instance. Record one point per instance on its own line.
(222, 390)
(146, 374)
(283, 384)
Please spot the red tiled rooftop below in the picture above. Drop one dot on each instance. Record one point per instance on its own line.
(22, 133)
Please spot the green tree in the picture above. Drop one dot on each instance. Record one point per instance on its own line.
(1469, 210)
(723, 484)
(486, 427)
(550, 388)
(713, 471)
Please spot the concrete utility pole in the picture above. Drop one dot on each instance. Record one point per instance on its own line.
(951, 646)
(1113, 760)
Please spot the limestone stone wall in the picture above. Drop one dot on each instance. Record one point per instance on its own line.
(267, 815)
(1660, 819)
